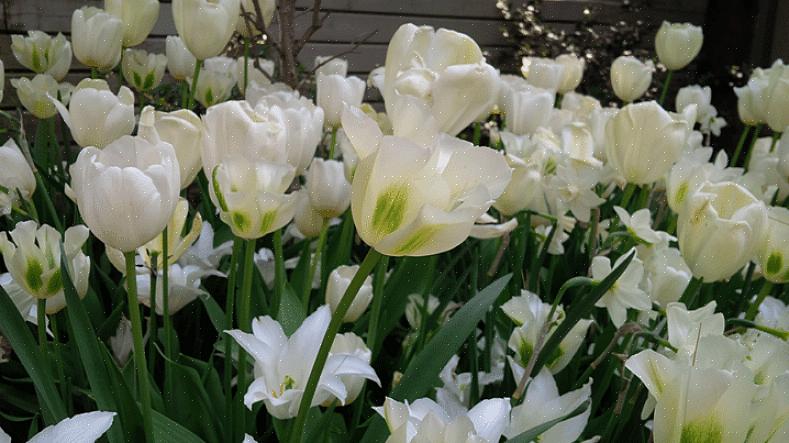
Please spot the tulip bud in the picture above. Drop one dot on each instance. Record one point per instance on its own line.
(142, 70)
(183, 130)
(338, 283)
(307, 220)
(33, 259)
(751, 104)
(303, 123)
(782, 150)
(774, 251)
(572, 73)
(528, 108)
(334, 91)
(777, 93)
(544, 73)
(36, 95)
(247, 26)
(328, 65)
(643, 141)
(523, 189)
(719, 230)
(138, 18)
(97, 37)
(16, 177)
(329, 191)
(180, 62)
(205, 26)
(213, 87)
(43, 54)
(630, 77)
(95, 115)
(126, 193)
(677, 44)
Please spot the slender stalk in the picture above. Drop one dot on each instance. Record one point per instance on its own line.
(193, 88)
(61, 373)
(366, 267)
(229, 308)
(53, 213)
(316, 258)
(279, 271)
(166, 320)
(139, 350)
(94, 73)
(378, 302)
(152, 326)
(41, 319)
(246, 65)
(477, 134)
(754, 138)
(245, 323)
(767, 287)
(333, 143)
(776, 137)
(740, 143)
(630, 189)
(183, 86)
(691, 292)
(666, 84)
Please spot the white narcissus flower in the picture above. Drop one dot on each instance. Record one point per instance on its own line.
(574, 187)
(178, 241)
(328, 65)
(773, 313)
(556, 247)
(485, 229)
(407, 200)
(97, 38)
(639, 225)
(36, 95)
(183, 130)
(81, 428)
(203, 252)
(527, 108)
(42, 53)
(630, 77)
(327, 187)
(283, 364)
(523, 189)
(644, 141)
(138, 16)
(32, 257)
(352, 345)
(126, 193)
(542, 403)
(205, 26)
(96, 116)
(183, 286)
(247, 26)
(579, 145)
(143, 70)
(16, 177)
(455, 395)
(686, 328)
(720, 229)
(334, 92)
(677, 44)
(339, 280)
(180, 62)
(773, 253)
(625, 292)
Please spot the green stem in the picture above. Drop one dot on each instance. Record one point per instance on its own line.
(229, 308)
(139, 350)
(767, 287)
(279, 272)
(328, 339)
(193, 89)
(477, 134)
(245, 323)
(152, 326)
(246, 65)
(167, 321)
(754, 138)
(61, 373)
(643, 196)
(666, 84)
(53, 213)
(691, 292)
(183, 86)
(316, 258)
(780, 333)
(776, 137)
(333, 143)
(740, 143)
(378, 302)
(630, 189)
(94, 73)
(41, 319)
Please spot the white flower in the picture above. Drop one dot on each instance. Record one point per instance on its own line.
(138, 16)
(350, 344)
(485, 230)
(336, 91)
(121, 343)
(203, 253)
(630, 77)
(677, 44)
(180, 62)
(183, 286)
(639, 225)
(556, 247)
(16, 177)
(213, 86)
(205, 26)
(97, 37)
(36, 95)
(143, 70)
(455, 395)
(329, 191)
(183, 130)
(42, 53)
(339, 280)
(625, 292)
(306, 219)
(667, 273)
(81, 428)
(574, 188)
(526, 108)
(328, 65)
(247, 26)
(773, 313)
(773, 253)
(686, 328)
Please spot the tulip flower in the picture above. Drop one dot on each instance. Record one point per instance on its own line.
(774, 252)
(339, 280)
(644, 141)
(528, 108)
(776, 96)
(630, 77)
(307, 220)
(16, 177)
(561, 75)
(206, 26)
(677, 44)
(407, 200)
(334, 92)
(126, 192)
(183, 287)
(143, 70)
(81, 428)
(42, 53)
(213, 87)
(178, 240)
(180, 62)
(328, 65)
(183, 130)
(138, 18)
(95, 115)
(36, 95)
(254, 75)
(247, 26)
(686, 328)
(720, 229)
(352, 345)
(668, 275)
(97, 37)
(329, 191)
(283, 364)
(626, 293)
(303, 123)
(572, 74)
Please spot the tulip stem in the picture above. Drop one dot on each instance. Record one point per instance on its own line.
(378, 302)
(316, 258)
(767, 287)
(193, 88)
(229, 307)
(297, 432)
(740, 143)
(167, 321)
(666, 84)
(41, 319)
(750, 145)
(246, 66)
(477, 134)
(152, 326)
(333, 142)
(48, 202)
(139, 350)
(279, 272)
(630, 189)
(245, 323)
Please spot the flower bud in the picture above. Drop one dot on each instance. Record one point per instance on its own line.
(97, 37)
(183, 130)
(338, 283)
(180, 62)
(334, 91)
(213, 87)
(328, 65)
(36, 95)
(138, 16)
(528, 108)
(677, 44)
(329, 191)
(43, 54)
(16, 177)
(247, 26)
(544, 73)
(630, 77)
(205, 26)
(573, 72)
(777, 111)
(307, 220)
(774, 251)
(142, 70)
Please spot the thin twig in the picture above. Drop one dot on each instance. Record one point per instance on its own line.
(351, 50)
(317, 22)
(494, 267)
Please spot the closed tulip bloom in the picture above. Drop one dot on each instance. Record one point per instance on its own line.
(677, 44)
(36, 95)
(42, 53)
(329, 191)
(644, 141)
(308, 221)
(572, 74)
(95, 115)
(339, 280)
(303, 122)
(127, 192)
(777, 96)
(528, 108)
(782, 151)
(774, 251)
(247, 26)
(183, 130)
(16, 177)
(143, 70)
(205, 26)
(138, 17)
(328, 65)
(180, 62)
(334, 91)
(97, 37)
(526, 186)
(720, 229)
(630, 77)
(213, 87)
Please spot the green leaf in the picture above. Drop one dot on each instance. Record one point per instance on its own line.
(215, 312)
(192, 406)
(410, 275)
(533, 433)
(137, 79)
(16, 331)
(166, 430)
(291, 311)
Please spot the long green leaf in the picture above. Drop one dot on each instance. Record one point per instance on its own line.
(291, 311)
(166, 430)
(532, 434)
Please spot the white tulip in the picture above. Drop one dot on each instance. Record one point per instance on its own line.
(138, 18)
(183, 287)
(213, 86)
(283, 364)
(36, 95)
(630, 77)
(686, 328)
(528, 108)
(544, 73)
(334, 92)
(183, 129)
(677, 44)
(774, 252)
(178, 240)
(351, 345)
(81, 428)
(128, 191)
(524, 187)
(626, 293)
(247, 26)
(42, 53)
(254, 75)
(143, 70)
(339, 280)
(203, 253)
(752, 98)
(329, 191)
(205, 26)
(95, 115)
(307, 220)
(180, 62)
(97, 37)
(668, 275)
(644, 141)
(573, 72)
(776, 96)
(16, 177)
(328, 65)
(719, 230)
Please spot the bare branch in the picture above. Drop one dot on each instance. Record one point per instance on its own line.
(350, 50)
(317, 22)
